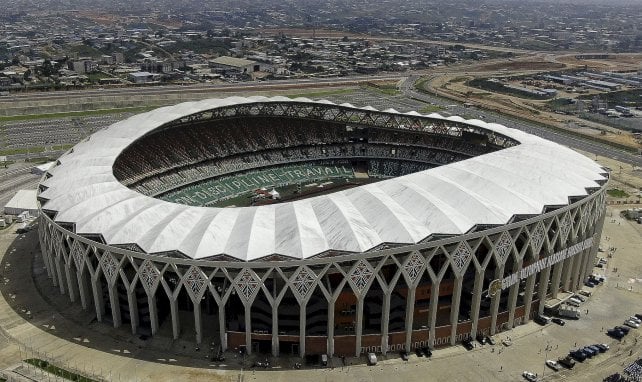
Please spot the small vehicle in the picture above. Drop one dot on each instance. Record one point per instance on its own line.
(632, 324)
(264, 364)
(468, 344)
(507, 342)
(426, 351)
(590, 284)
(558, 321)
(553, 365)
(372, 359)
(573, 302)
(586, 293)
(623, 329)
(633, 318)
(590, 353)
(567, 362)
(595, 349)
(419, 352)
(578, 355)
(481, 339)
(617, 334)
(404, 355)
(490, 340)
(529, 376)
(638, 316)
(579, 297)
(324, 360)
(542, 320)
(603, 347)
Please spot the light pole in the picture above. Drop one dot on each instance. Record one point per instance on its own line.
(545, 358)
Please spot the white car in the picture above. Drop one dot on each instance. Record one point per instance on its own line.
(575, 300)
(635, 319)
(632, 324)
(372, 359)
(579, 297)
(553, 365)
(529, 376)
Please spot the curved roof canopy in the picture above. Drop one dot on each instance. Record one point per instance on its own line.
(452, 199)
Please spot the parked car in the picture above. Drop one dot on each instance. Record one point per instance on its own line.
(419, 352)
(615, 333)
(623, 329)
(553, 365)
(586, 293)
(590, 284)
(638, 316)
(558, 321)
(590, 353)
(595, 349)
(542, 320)
(372, 359)
(426, 351)
(579, 297)
(602, 347)
(529, 376)
(633, 318)
(573, 302)
(632, 324)
(468, 344)
(404, 355)
(567, 362)
(481, 339)
(507, 342)
(324, 360)
(490, 340)
(578, 355)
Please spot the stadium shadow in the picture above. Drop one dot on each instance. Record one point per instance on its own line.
(42, 311)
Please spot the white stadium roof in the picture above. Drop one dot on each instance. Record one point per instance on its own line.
(451, 199)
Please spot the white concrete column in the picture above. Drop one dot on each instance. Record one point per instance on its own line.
(555, 280)
(275, 329)
(543, 287)
(302, 320)
(359, 326)
(432, 313)
(477, 295)
(528, 296)
(385, 318)
(586, 266)
(198, 324)
(115, 305)
(410, 315)
(454, 310)
(153, 313)
(495, 300)
(221, 325)
(82, 288)
(331, 327)
(575, 276)
(70, 283)
(176, 324)
(513, 292)
(566, 273)
(61, 280)
(248, 328)
(133, 310)
(99, 303)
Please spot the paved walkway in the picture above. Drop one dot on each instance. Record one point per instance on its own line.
(30, 326)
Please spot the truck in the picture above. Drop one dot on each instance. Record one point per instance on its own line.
(569, 312)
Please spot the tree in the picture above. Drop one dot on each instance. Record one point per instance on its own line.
(47, 69)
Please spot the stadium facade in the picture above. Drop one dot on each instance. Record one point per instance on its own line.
(463, 227)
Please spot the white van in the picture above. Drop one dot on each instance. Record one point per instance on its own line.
(574, 302)
(372, 359)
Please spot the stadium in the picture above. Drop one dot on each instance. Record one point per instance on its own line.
(292, 226)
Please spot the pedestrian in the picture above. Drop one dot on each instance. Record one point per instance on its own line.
(501, 368)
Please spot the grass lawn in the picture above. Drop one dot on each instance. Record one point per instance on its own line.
(617, 193)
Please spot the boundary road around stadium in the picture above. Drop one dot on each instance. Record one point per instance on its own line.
(29, 318)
